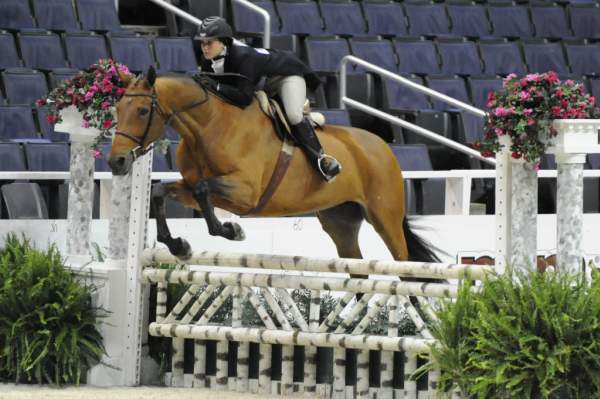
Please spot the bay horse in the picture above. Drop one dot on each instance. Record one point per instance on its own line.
(227, 155)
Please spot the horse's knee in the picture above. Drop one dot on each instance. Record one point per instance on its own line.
(201, 189)
(158, 191)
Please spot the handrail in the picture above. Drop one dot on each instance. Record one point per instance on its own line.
(395, 120)
(190, 18)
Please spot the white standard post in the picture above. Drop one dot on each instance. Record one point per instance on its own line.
(81, 186)
(516, 211)
(575, 139)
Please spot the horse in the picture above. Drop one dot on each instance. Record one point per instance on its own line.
(227, 156)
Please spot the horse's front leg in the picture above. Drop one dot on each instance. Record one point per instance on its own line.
(229, 230)
(179, 247)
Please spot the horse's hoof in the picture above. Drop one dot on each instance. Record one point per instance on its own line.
(181, 249)
(234, 231)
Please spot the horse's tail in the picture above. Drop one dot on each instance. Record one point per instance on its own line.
(419, 249)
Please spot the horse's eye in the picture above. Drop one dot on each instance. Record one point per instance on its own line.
(143, 111)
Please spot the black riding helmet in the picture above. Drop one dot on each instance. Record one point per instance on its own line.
(215, 28)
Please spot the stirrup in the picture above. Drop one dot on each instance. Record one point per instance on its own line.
(328, 177)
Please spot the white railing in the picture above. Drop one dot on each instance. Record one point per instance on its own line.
(190, 18)
(344, 100)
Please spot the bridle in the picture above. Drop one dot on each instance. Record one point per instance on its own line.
(140, 150)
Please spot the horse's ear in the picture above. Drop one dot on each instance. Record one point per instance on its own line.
(151, 76)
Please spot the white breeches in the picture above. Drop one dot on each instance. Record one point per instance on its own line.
(292, 91)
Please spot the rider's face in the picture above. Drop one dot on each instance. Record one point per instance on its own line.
(211, 48)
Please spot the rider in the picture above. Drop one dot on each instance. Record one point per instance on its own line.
(285, 75)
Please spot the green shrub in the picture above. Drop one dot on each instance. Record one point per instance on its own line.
(521, 337)
(48, 328)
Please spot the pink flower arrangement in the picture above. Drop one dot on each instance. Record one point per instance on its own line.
(524, 109)
(94, 92)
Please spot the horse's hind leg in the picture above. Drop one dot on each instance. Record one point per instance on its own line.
(178, 191)
(342, 224)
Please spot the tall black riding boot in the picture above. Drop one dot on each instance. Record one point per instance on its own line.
(325, 164)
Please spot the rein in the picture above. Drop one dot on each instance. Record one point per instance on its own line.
(140, 150)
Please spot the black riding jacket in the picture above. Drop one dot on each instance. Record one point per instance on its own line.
(254, 64)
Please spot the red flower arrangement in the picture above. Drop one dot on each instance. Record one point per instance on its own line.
(524, 109)
(94, 92)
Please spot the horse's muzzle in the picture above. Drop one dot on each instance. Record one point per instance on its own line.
(120, 164)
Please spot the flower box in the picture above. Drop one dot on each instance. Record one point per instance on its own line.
(575, 136)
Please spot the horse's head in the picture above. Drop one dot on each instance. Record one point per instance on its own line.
(140, 122)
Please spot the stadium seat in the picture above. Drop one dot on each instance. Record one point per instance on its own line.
(160, 162)
(47, 129)
(501, 57)
(376, 51)
(246, 21)
(300, 17)
(59, 75)
(175, 54)
(550, 21)
(9, 58)
(385, 18)
(583, 58)
(480, 86)
(2, 99)
(585, 20)
(399, 98)
(133, 51)
(24, 200)
(85, 48)
(16, 122)
(199, 9)
(428, 194)
(15, 14)
(510, 20)
(452, 86)
(428, 19)
(333, 116)
(55, 15)
(416, 56)
(41, 50)
(101, 163)
(541, 56)
(325, 53)
(459, 57)
(98, 15)
(24, 86)
(343, 17)
(50, 157)
(12, 158)
(468, 19)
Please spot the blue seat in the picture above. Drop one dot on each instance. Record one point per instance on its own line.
(585, 20)
(427, 19)
(376, 51)
(343, 17)
(160, 162)
(543, 57)
(133, 51)
(24, 86)
(24, 200)
(2, 99)
(99, 15)
(59, 75)
(51, 157)
(459, 57)
(246, 21)
(452, 86)
(416, 56)
(175, 54)
(412, 157)
(85, 48)
(16, 122)
(55, 15)
(338, 117)
(47, 129)
(398, 97)
(41, 50)
(12, 158)
(15, 14)
(550, 20)
(385, 18)
(510, 20)
(300, 17)
(583, 58)
(8, 51)
(325, 53)
(101, 163)
(501, 57)
(470, 128)
(468, 19)
(480, 86)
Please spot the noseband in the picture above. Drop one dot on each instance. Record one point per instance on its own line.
(140, 150)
